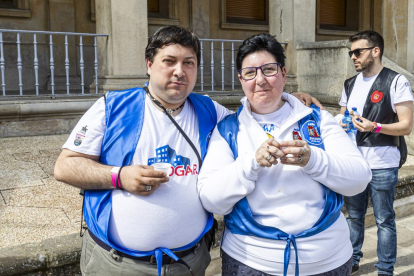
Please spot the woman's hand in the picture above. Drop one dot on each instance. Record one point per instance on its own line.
(299, 152)
(268, 153)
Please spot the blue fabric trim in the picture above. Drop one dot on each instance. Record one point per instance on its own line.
(241, 221)
(124, 116)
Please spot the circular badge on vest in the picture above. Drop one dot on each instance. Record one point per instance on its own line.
(311, 133)
(376, 97)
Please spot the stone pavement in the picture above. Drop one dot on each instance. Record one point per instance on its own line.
(40, 217)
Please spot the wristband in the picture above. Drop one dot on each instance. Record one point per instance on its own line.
(374, 128)
(378, 129)
(114, 175)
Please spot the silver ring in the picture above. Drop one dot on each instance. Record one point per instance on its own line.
(268, 157)
(148, 188)
(300, 159)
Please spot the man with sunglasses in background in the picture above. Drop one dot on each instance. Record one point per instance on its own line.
(385, 101)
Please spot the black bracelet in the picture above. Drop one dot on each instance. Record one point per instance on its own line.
(118, 180)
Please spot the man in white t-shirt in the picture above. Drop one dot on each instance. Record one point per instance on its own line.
(384, 100)
(135, 214)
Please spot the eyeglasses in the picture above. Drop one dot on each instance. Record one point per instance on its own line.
(357, 52)
(268, 69)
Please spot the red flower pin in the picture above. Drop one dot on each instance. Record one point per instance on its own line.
(376, 97)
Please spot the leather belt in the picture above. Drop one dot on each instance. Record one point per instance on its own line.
(151, 259)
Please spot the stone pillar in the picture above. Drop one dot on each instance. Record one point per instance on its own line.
(201, 18)
(121, 56)
(292, 22)
(410, 37)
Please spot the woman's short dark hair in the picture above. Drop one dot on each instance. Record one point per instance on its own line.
(170, 35)
(374, 39)
(258, 43)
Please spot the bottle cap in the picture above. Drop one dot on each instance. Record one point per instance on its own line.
(346, 112)
(354, 108)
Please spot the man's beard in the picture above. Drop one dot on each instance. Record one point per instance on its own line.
(367, 64)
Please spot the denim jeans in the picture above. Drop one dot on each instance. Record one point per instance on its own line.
(381, 189)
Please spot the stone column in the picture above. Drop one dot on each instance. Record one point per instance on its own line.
(201, 18)
(410, 37)
(121, 56)
(292, 22)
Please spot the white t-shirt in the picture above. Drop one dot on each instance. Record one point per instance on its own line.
(173, 215)
(378, 157)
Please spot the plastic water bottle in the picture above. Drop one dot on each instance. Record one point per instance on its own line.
(350, 129)
(355, 112)
(347, 120)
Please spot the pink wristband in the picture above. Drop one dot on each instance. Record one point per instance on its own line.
(378, 128)
(114, 176)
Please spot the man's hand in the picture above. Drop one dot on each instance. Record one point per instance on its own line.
(364, 125)
(307, 99)
(136, 179)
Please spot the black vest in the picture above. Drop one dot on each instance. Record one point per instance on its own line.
(377, 108)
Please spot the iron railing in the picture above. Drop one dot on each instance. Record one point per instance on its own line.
(36, 64)
(225, 59)
(215, 53)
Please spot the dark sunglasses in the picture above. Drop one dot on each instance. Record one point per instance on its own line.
(357, 52)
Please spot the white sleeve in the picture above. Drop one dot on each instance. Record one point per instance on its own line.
(87, 135)
(402, 92)
(224, 181)
(221, 111)
(340, 166)
(344, 99)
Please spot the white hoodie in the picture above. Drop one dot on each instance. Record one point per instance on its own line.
(286, 197)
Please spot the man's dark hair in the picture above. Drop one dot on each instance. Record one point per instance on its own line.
(258, 43)
(170, 35)
(374, 40)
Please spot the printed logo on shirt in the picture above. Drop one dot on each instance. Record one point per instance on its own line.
(376, 97)
(310, 133)
(180, 165)
(269, 128)
(295, 134)
(80, 136)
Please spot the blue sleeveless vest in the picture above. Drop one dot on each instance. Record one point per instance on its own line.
(240, 221)
(124, 116)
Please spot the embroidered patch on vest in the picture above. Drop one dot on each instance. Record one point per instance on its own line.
(376, 97)
(80, 136)
(295, 134)
(310, 133)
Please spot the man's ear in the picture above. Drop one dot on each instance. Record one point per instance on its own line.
(149, 66)
(377, 51)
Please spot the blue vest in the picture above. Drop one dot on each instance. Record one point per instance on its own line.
(124, 116)
(240, 221)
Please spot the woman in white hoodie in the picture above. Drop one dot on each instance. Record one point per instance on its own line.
(277, 170)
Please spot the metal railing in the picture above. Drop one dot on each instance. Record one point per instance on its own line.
(51, 59)
(225, 60)
(231, 52)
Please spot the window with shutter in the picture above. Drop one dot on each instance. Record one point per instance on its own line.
(16, 8)
(247, 11)
(339, 14)
(158, 8)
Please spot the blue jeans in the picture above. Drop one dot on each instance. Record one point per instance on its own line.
(381, 190)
